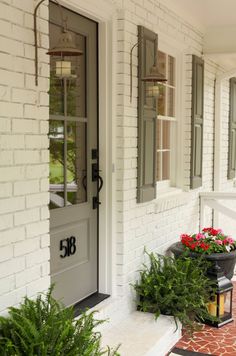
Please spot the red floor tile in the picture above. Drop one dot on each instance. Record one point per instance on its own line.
(219, 342)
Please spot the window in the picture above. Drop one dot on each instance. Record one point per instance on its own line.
(166, 118)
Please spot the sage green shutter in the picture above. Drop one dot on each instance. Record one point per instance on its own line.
(147, 49)
(232, 130)
(197, 122)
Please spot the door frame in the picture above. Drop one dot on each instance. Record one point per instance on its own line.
(105, 16)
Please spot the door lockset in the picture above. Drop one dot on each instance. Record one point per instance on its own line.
(96, 202)
(95, 172)
(98, 178)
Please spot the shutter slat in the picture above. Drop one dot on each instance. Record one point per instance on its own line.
(197, 122)
(146, 188)
(232, 130)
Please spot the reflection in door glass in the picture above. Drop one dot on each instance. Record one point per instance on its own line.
(75, 84)
(76, 162)
(56, 136)
(68, 176)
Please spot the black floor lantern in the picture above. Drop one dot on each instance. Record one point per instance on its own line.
(221, 304)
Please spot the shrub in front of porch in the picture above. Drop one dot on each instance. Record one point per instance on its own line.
(45, 327)
(177, 287)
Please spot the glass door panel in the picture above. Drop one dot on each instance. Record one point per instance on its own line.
(56, 136)
(68, 129)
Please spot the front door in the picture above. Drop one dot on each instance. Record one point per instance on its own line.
(73, 151)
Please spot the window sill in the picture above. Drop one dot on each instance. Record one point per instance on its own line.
(170, 199)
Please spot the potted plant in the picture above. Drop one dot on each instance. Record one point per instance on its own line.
(211, 244)
(176, 287)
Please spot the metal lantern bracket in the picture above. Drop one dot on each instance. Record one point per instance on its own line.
(36, 37)
(65, 45)
(154, 75)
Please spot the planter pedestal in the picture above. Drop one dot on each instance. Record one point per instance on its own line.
(225, 260)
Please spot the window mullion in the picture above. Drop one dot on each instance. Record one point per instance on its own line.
(65, 141)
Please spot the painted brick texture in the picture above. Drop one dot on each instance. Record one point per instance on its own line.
(159, 223)
(24, 227)
(24, 156)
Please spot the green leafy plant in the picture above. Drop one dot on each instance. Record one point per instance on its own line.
(177, 287)
(45, 327)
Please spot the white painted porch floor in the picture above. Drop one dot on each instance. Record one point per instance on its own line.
(141, 335)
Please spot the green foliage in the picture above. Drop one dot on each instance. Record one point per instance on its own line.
(44, 327)
(177, 287)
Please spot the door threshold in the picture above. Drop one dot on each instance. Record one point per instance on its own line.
(89, 302)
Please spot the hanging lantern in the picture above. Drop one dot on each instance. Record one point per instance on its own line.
(153, 78)
(65, 49)
(220, 305)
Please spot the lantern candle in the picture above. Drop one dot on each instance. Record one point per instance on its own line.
(63, 68)
(212, 306)
(152, 90)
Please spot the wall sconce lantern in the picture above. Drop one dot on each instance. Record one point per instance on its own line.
(221, 304)
(152, 79)
(64, 49)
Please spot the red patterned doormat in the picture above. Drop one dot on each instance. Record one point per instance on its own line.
(213, 341)
(176, 351)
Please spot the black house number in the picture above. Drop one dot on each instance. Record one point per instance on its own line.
(68, 247)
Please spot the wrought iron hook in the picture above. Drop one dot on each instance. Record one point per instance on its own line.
(35, 35)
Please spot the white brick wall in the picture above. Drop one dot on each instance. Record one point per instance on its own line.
(24, 227)
(24, 156)
(156, 225)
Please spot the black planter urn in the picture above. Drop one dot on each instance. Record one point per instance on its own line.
(225, 260)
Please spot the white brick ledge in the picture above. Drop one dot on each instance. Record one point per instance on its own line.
(170, 200)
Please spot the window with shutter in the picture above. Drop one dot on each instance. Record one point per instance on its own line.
(197, 122)
(147, 50)
(232, 130)
(166, 121)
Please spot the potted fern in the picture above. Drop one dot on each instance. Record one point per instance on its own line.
(45, 327)
(177, 287)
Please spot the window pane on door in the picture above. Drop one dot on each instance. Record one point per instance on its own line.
(56, 106)
(77, 85)
(56, 136)
(76, 163)
(67, 95)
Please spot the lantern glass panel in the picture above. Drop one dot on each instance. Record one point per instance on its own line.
(227, 302)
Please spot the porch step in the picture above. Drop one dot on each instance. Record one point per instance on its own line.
(141, 335)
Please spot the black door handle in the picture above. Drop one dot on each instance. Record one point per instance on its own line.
(100, 184)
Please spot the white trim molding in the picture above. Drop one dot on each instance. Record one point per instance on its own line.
(218, 126)
(105, 14)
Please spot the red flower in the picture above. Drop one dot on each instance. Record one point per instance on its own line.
(210, 231)
(204, 246)
(209, 240)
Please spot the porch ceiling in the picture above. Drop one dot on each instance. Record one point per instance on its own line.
(217, 21)
(208, 13)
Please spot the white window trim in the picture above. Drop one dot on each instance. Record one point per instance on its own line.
(175, 184)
